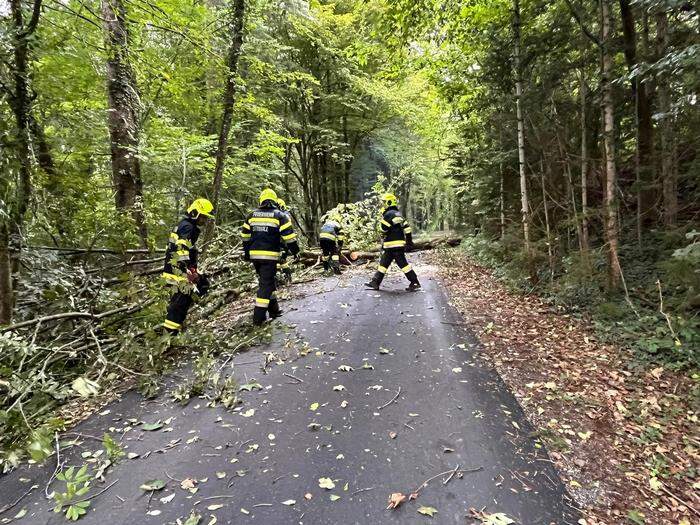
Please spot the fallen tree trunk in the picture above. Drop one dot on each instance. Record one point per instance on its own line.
(348, 257)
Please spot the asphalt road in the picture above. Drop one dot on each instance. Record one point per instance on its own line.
(449, 410)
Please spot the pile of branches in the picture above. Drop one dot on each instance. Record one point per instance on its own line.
(85, 319)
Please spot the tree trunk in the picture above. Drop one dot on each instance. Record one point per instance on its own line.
(7, 295)
(21, 104)
(347, 163)
(236, 26)
(643, 119)
(585, 244)
(548, 232)
(502, 202)
(668, 175)
(609, 195)
(123, 116)
(524, 204)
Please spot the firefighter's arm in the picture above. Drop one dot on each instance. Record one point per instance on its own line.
(288, 235)
(341, 237)
(245, 236)
(185, 251)
(408, 234)
(385, 225)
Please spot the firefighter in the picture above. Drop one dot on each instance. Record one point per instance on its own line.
(331, 239)
(397, 237)
(180, 269)
(284, 266)
(263, 233)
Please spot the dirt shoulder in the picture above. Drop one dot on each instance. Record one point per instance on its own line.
(626, 443)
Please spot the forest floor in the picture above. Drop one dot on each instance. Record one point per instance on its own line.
(357, 397)
(625, 441)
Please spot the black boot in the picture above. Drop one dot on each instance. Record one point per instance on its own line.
(374, 285)
(415, 285)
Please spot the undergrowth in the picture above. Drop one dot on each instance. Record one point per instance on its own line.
(659, 316)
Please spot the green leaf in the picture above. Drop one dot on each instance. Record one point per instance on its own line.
(85, 387)
(153, 484)
(152, 426)
(427, 511)
(248, 387)
(193, 519)
(636, 517)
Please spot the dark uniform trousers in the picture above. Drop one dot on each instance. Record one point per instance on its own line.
(177, 311)
(331, 255)
(265, 300)
(397, 255)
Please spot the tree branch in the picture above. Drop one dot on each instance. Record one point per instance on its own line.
(585, 30)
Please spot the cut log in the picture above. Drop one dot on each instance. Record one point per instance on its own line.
(349, 257)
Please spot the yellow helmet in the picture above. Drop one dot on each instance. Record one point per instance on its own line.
(281, 204)
(268, 195)
(202, 207)
(390, 199)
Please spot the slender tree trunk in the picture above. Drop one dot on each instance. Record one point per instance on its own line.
(12, 222)
(236, 25)
(644, 159)
(347, 163)
(502, 199)
(609, 195)
(123, 116)
(668, 175)
(585, 245)
(7, 295)
(524, 203)
(550, 253)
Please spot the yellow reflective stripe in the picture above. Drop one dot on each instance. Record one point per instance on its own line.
(406, 268)
(336, 257)
(264, 252)
(285, 226)
(381, 269)
(171, 324)
(183, 255)
(289, 237)
(246, 226)
(264, 220)
(407, 229)
(173, 237)
(259, 301)
(184, 242)
(326, 235)
(385, 223)
(397, 220)
(172, 277)
(245, 235)
(394, 244)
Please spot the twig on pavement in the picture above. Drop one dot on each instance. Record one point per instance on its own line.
(59, 466)
(447, 480)
(293, 377)
(97, 494)
(391, 401)
(453, 471)
(10, 505)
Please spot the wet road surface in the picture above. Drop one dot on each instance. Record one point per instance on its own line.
(382, 391)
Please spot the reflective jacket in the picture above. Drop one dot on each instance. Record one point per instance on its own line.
(181, 251)
(395, 229)
(264, 231)
(332, 231)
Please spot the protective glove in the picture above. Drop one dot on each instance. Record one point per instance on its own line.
(192, 275)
